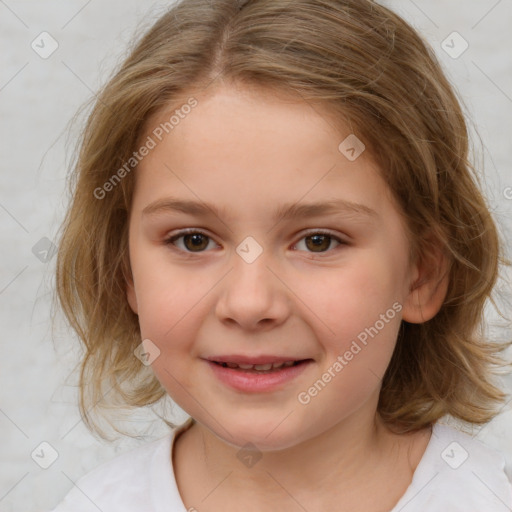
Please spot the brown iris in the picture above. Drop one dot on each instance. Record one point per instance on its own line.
(318, 242)
(196, 242)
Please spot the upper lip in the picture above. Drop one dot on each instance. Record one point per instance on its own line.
(263, 359)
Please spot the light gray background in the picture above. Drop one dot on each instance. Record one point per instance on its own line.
(39, 96)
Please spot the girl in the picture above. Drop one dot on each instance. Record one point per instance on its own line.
(276, 224)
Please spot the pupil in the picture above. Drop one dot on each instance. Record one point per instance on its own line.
(196, 240)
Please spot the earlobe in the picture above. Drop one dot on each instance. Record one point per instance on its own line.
(428, 289)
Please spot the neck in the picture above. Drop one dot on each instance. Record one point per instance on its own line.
(345, 461)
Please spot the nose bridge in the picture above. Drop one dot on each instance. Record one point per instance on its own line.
(252, 270)
(251, 291)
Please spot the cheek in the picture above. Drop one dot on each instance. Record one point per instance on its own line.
(351, 298)
(170, 311)
(359, 308)
(168, 296)
(364, 317)
(169, 319)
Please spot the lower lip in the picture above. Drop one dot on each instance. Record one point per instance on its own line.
(257, 382)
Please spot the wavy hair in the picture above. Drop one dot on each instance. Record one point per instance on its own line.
(373, 72)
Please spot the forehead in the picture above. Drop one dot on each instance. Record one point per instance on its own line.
(238, 145)
(236, 110)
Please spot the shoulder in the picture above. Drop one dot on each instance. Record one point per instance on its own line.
(459, 451)
(140, 479)
(458, 472)
(121, 482)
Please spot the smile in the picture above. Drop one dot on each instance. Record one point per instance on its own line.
(257, 378)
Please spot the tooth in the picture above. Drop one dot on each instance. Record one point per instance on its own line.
(263, 366)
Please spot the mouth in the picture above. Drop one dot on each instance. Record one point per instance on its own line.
(269, 367)
(260, 368)
(262, 374)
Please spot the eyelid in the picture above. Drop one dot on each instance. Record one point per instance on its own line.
(321, 231)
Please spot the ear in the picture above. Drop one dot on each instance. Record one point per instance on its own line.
(131, 296)
(430, 277)
(130, 287)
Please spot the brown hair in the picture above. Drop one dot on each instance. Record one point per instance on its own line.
(375, 73)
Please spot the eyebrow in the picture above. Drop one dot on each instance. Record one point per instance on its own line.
(284, 212)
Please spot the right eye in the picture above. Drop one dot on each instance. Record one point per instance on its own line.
(192, 239)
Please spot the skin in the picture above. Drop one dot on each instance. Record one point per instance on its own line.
(247, 151)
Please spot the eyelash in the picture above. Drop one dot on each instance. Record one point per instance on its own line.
(170, 241)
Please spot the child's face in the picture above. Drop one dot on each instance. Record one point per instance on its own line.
(312, 298)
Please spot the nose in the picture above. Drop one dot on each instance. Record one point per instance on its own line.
(253, 296)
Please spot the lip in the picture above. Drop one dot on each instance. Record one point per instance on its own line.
(252, 382)
(261, 359)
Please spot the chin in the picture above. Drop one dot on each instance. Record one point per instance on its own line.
(265, 435)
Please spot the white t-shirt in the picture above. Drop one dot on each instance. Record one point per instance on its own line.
(456, 474)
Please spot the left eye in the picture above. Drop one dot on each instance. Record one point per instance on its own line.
(320, 240)
(197, 241)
